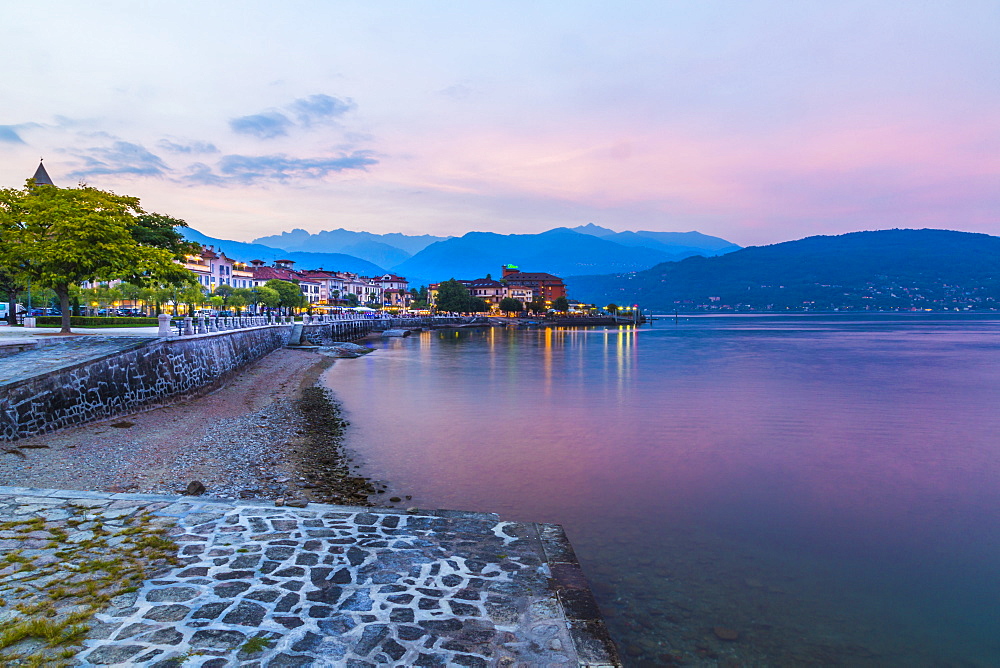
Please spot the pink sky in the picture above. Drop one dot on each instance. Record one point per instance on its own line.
(758, 122)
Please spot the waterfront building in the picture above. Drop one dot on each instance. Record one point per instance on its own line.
(490, 291)
(282, 271)
(546, 287)
(212, 268)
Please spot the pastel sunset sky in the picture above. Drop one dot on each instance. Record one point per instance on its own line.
(755, 121)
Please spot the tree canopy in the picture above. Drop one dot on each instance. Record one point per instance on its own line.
(511, 305)
(60, 237)
(455, 298)
(289, 294)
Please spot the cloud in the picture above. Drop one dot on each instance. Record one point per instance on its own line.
(8, 134)
(457, 91)
(190, 147)
(202, 174)
(246, 169)
(121, 157)
(320, 107)
(267, 125)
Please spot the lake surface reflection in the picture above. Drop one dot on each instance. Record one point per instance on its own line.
(826, 486)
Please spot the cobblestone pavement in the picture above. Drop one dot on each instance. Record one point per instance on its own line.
(63, 353)
(265, 586)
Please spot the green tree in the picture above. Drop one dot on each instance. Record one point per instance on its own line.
(193, 296)
(509, 305)
(561, 304)
(611, 308)
(290, 296)
(537, 306)
(60, 237)
(418, 298)
(224, 291)
(453, 297)
(268, 296)
(241, 298)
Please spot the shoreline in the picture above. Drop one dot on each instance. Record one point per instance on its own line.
(269, 433)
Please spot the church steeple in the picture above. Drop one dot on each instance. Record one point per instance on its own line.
(41, 176)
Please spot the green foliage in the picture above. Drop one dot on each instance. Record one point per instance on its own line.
(268, 296)
(536, 306)
(511, 305)
(60, 237)
(289, 294)
(561, 304)
(159, 231)
(255, 644)
(453, 297)
(611, 308)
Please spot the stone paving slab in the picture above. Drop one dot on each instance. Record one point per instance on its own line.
(264, 586)
(64, 353)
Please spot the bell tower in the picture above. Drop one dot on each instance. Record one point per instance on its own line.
(41, 176)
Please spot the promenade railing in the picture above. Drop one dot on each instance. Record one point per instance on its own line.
(207, 324)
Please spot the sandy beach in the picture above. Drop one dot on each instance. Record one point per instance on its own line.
(267, 433)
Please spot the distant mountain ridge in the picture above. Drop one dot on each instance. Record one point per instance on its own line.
(385, 250)
(698, 243)
(884, 269)
(588, 249)
(561, 251)
(245, 252)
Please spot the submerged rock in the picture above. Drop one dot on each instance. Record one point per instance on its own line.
(344, 350)
(724, 633)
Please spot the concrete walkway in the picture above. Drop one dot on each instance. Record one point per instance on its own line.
(52, 332)
(265, 586)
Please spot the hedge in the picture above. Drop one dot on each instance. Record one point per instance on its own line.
(95, 321)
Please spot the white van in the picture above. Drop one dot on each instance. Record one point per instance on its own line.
(4, 310)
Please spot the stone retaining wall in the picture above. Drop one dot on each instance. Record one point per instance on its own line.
(159, 371)
(124, 382)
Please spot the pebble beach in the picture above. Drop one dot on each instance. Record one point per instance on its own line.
(268, 433)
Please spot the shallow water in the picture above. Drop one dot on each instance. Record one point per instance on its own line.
(826, 486)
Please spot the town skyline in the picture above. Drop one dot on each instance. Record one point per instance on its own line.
(755, 122)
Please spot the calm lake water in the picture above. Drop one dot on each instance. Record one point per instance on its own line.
(826, 486)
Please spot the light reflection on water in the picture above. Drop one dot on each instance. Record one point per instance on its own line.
(827, 486)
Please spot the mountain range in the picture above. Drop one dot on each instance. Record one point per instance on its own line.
(245, 252)
(425, 259)
(887, 269)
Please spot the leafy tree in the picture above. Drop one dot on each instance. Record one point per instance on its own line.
(60, 237)
(193, 296)
(268, 296)
(453, 297)
(160, 231)
(418, 298)
(509, 305)
(241, 298)
(289, 294)
(536, 306)
(611, 308)
(352, 299)
(561, 304)
(224, 291)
